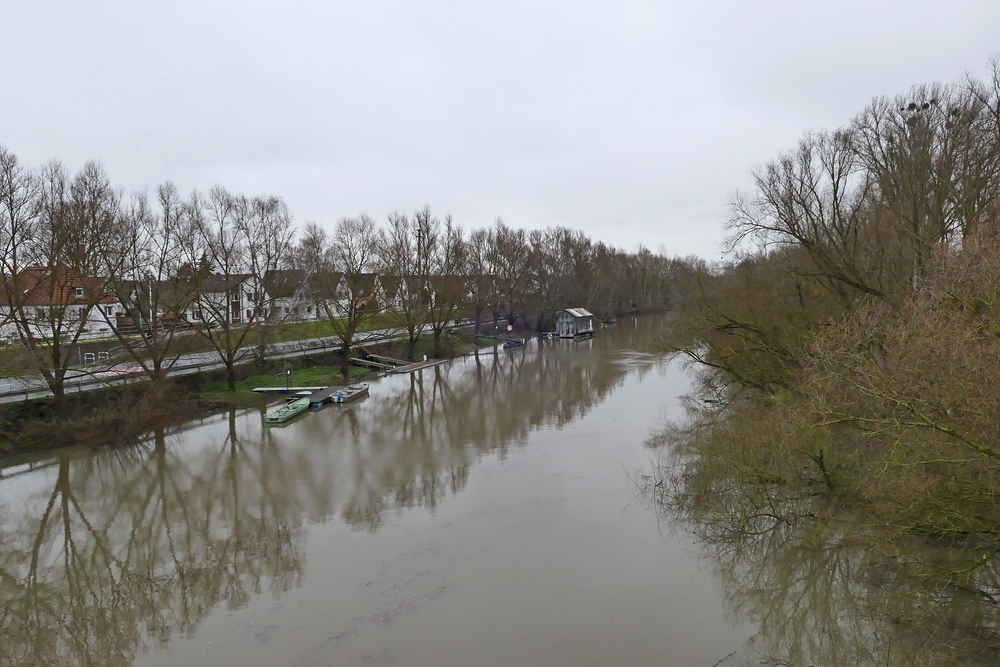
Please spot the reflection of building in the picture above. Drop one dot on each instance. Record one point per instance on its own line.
(575, 323)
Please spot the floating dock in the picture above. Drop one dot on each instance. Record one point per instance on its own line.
(418, 366)
(388, 360)
(323, 396)
(374, 364)
(285, 390)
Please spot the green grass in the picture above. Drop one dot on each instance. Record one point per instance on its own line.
(16, 361)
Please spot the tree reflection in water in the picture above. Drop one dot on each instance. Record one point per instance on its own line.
(822, 589)
(106, 555)
(133, 545)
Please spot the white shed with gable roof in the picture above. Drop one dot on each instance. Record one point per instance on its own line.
(575, 323)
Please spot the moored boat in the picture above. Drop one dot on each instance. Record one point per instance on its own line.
(350, 393)
(287, 411)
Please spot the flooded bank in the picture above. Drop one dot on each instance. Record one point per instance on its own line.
(478, 513)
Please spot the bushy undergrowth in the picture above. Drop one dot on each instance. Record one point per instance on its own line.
(892, 409)
(878, 454)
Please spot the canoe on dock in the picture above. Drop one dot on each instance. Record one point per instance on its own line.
(287, 411)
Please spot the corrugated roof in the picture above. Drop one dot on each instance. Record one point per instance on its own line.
(579, 312)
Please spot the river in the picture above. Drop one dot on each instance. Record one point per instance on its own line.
(482, 512)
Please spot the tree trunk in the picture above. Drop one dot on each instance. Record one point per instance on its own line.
(231, 375)
(345, 358)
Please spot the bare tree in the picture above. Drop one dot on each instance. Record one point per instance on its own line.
(446, 267)
(268, 230)
(20, 209)
(402, 251)
(479, 281)
(818, 198)
(510, 267)
(347, 292)
(143, 262)
(54, 287)
(240, 239)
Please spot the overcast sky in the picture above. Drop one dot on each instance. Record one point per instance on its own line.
(634, 121)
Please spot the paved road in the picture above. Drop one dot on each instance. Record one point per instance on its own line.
(30, 387)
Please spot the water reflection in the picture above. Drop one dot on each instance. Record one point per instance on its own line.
(825, 591)
(125, 549)
(108, 555)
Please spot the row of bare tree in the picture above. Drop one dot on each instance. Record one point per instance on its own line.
(80, 260)
(850, 385)
(850, 215)
(422, 273)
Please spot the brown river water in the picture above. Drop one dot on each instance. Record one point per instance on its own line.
(481, 512)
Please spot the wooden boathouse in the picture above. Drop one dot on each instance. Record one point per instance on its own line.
(575, 323)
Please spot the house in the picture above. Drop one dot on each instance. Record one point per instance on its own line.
(288, 295)
(39, 299)
(225, 297)
(172, 299)
(366, 290)
(295, 295)
(448, 290)
(404, 291)
(575, 323)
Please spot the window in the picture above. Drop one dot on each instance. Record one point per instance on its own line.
(78, 291)
(109, 310)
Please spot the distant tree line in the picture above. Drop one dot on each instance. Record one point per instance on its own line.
(79, 259)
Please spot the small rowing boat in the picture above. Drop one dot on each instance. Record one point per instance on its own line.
(350, 393)
(287, 411)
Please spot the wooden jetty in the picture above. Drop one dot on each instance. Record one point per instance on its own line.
(388, 360)
(287, 411)
(418, 366)
(374, 364)
(322, 396)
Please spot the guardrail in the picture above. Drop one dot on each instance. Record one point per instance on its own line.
(277, 350)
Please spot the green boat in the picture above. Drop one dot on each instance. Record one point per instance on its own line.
(287, 411)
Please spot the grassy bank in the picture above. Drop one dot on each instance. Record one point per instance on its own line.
(119, 416)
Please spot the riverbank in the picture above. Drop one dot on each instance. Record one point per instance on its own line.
(123, 415)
